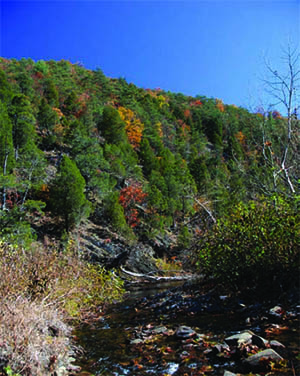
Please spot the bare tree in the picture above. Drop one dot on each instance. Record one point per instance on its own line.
(283, 88)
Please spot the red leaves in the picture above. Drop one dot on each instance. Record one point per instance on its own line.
(129, 197)
(196, 103)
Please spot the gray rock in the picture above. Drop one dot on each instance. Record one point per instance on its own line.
(276, 311)
(276, 344)
(185, 332)
(240, 338)
(228, 373)
(136, 341)
(160, 329)
(259, 341)
(257, 360)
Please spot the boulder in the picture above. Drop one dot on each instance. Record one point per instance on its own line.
(259, 341)
(160, 330)
(276, 344)
(262, 359)
(185, 332)
(240, 339)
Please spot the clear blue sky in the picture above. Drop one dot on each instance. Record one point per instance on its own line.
(211, 48)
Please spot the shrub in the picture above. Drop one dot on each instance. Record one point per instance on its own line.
(34, 338)
(255, 245)
(40, 291)
(63, 279)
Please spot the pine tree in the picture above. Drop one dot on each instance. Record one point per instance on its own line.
(111, 126)
(7, 160)
(68, 199)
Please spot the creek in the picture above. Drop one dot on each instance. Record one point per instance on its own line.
(138, 336)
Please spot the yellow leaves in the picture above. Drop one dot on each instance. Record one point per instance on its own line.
(158, 127)
(134, 127)
(162, 101)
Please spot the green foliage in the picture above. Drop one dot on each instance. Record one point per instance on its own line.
(114, 211)
(112, 126)
(255, 245)
(9, 372)
(6, 142)
(184, 237)
(190, 147)
(68, 199)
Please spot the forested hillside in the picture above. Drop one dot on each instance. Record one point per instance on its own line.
(95, 171)
(76, 144)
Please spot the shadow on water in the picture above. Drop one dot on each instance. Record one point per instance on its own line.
(120, 343)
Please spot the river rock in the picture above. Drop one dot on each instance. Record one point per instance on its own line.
(276, 344)
(276, 311)
(160, 330)
(262, 359)
(240, 339)
(185, 332)
(136, 341)
(228, 373)
(259, 341)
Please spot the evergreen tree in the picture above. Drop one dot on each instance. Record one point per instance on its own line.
(68, 199)
(111, 126)
(148, 158)
(23, 120)
(7, 160)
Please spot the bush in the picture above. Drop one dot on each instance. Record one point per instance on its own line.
(254, 246)
(40, 291)
(34, 338)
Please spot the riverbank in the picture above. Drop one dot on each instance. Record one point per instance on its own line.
(183, 330)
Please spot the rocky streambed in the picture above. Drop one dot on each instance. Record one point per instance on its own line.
(185, 330)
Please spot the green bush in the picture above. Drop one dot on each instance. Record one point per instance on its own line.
(254, 246)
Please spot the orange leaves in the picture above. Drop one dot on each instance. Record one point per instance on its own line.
(187, 113)
(241, 138)
(129, 197)
(58, 112)
(184, 127)
(134, 127)
(220, 105)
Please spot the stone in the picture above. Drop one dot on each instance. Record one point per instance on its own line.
(217, 349)
(136, 341)
(259, 341)
(262, 359)
(240, 338)
(185, 332)
(276, 311)
(160, 330)
(228, 373)
(276, 344)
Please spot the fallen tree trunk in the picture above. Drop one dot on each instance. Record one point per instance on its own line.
(157, 278)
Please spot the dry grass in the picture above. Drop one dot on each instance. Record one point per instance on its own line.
(34, 338)
(40, 290)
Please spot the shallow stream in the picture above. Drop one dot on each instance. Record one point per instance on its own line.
(138, 335)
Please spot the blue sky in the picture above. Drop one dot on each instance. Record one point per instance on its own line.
(212, 48)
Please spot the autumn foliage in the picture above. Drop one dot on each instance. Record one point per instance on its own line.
(134, 127)
(130, 197)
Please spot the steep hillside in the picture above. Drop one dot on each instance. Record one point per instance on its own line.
(151, 166)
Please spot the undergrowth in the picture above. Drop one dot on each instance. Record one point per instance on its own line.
(41, 291)
(255, 247)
